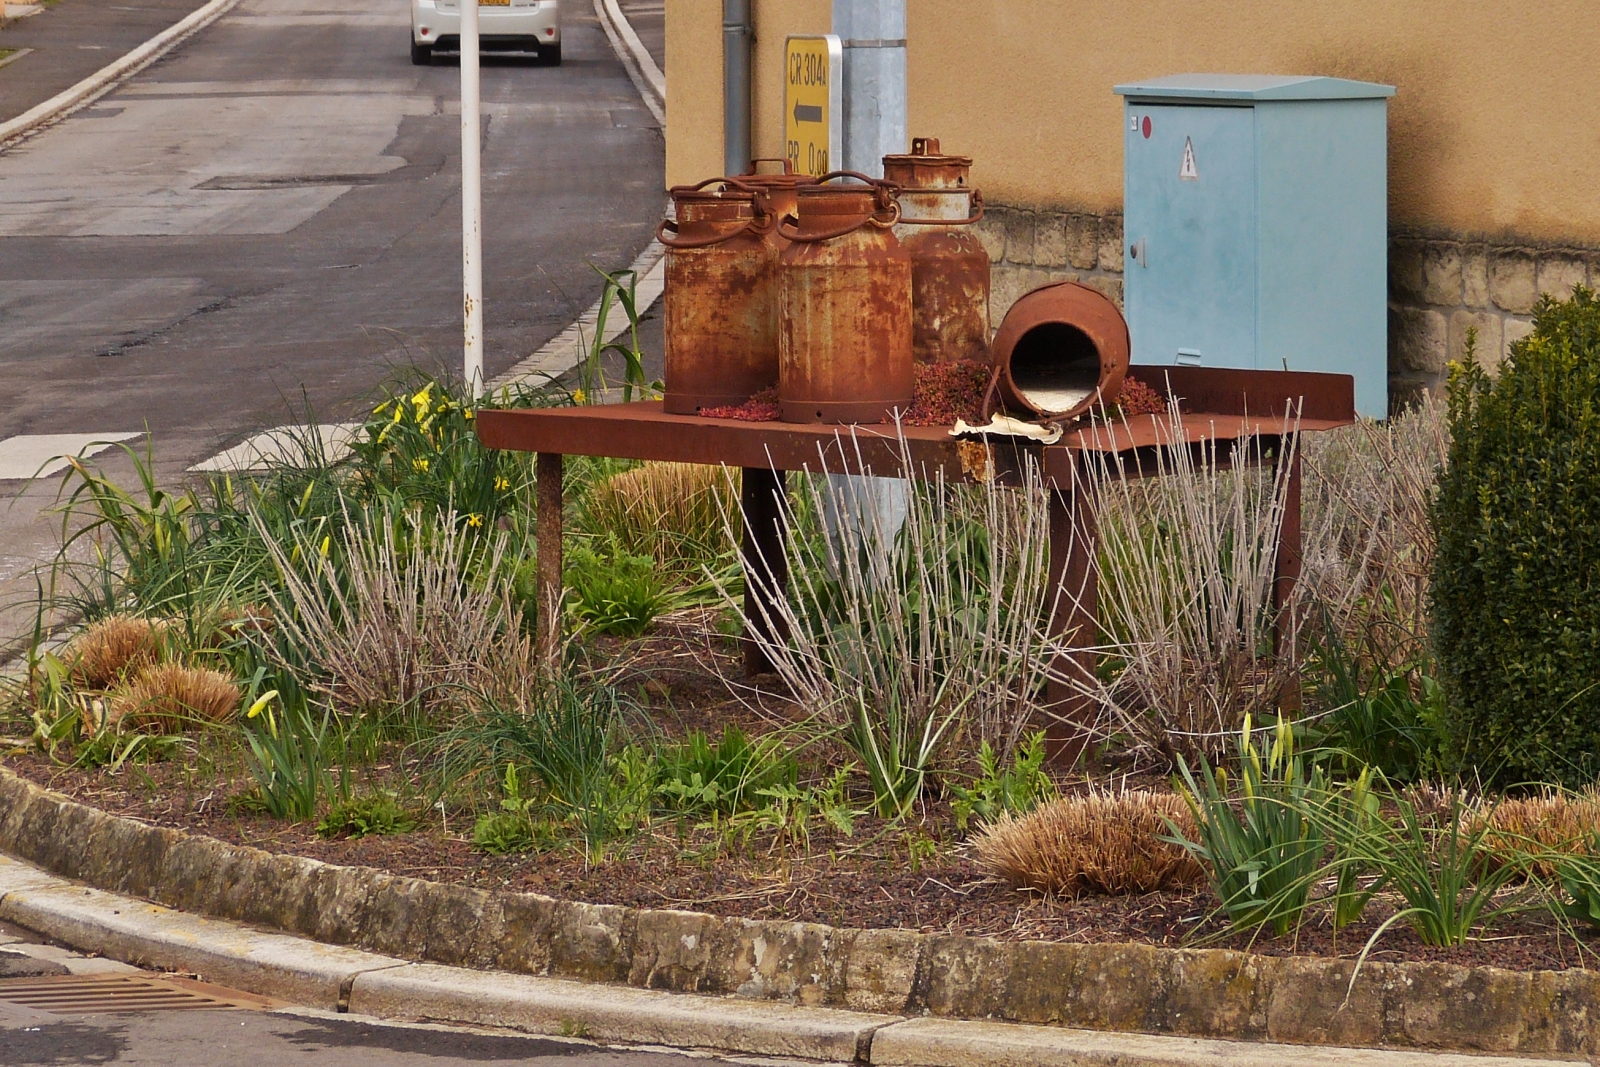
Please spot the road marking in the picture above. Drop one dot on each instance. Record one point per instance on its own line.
(283, 446)
(43, 454)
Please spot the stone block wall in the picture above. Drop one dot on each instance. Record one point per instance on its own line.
(1438, 288)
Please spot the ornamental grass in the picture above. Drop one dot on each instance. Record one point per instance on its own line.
(168, 697)
(671, 512)
(1099, 843)
(113, 648)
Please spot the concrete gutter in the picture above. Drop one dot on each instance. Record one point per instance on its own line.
(340, 979)
(108, 77)
(636, 59)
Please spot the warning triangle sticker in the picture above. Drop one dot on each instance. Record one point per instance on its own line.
(1188, 172)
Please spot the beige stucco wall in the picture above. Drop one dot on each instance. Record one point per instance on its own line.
(1495, 133)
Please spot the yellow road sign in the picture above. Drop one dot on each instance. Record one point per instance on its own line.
(812, 102)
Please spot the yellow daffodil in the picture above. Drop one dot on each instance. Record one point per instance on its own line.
(468, 414)
(420, 465)
(579, 397)
(474, 520)
(261, 703)
(423, 400)
(501, 484)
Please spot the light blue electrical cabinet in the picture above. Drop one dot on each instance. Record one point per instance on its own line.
(1255, 217)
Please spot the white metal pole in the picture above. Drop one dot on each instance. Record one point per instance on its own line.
(471, 203)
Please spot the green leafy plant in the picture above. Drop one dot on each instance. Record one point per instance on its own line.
(1259, 839)
(287, 753)
(787, 811)
(1016, 789)
(511, 829)
(1579, 878)
(613, 590)
(1516, 582)
(379, 813)
(697, 776)
(622, 289)
(565, 733)
(1441, 865)
(1390, 722)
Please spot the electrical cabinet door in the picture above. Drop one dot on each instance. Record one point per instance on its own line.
(1190, 232)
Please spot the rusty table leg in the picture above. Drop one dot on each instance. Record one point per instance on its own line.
(1074, 586)
(547, 630)
(1286, 565)
(761, 500)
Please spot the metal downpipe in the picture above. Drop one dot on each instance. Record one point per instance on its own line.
(737, 33)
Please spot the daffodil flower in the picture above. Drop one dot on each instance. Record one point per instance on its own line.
(501, 484)
(474, 520)
(420, 465)
(579, 397)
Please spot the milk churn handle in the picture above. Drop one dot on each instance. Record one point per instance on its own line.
(788, 168)
(977, 214)
(883, 195)
(765, 219)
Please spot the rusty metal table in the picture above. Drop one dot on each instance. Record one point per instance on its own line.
(1216, 406)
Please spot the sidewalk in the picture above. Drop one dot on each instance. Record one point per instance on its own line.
(71, 39)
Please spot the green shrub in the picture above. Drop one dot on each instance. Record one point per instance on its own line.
(1516, 582)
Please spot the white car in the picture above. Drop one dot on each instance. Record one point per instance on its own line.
(503, 26)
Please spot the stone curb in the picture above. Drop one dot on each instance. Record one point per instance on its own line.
(112, 74)
(1196, 993)
(330, 978)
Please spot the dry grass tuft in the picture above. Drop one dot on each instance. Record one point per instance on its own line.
(1549, 825)
(1101, 843)
(672, 512)
(171, 696)
(113, 648)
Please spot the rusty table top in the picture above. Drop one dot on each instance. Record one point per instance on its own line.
(1215, 405)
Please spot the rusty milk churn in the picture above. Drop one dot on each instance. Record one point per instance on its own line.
(1061, 350)
(721, 296)
(780, 188)
(949, 266)
(845, 329)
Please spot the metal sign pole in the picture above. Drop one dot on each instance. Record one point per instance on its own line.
(471, 204)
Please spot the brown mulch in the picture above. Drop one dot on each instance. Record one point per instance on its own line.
(870, 879)
(877, 885)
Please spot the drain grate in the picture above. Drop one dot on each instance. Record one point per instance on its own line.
(95, 994)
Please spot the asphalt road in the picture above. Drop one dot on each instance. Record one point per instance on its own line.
(275, 207)
(251, 1038)
(267, 1039)
(267, 222)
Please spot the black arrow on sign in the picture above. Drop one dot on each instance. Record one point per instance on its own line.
(807, 112)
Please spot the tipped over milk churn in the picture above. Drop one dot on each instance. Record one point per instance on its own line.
(949, 266)
(721, 296)
(845, 331)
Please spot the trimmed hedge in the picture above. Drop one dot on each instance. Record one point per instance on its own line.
(1516, 582)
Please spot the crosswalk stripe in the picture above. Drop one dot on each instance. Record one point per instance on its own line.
(40, 455)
